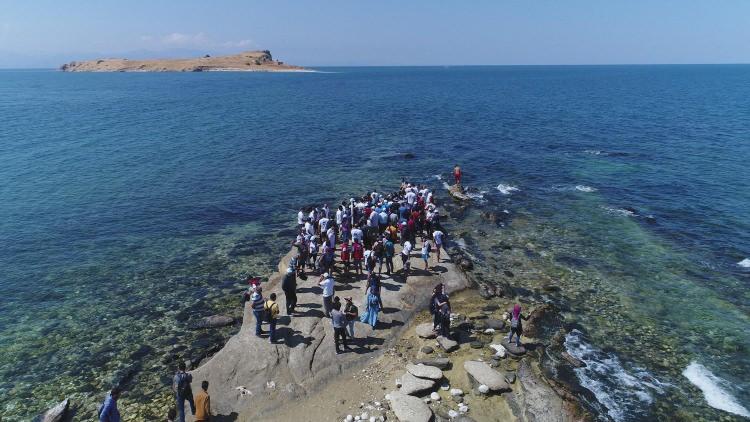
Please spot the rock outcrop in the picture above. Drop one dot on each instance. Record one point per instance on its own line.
(425, 371)
(482, 374)
(59, 413)
(409, 408)
(259, 61)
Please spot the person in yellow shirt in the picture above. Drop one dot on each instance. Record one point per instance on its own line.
(272, 313)
(203, 404)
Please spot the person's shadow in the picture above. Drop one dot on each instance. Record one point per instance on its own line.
(224, 418)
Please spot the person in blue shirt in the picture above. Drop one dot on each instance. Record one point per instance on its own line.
(108, 412)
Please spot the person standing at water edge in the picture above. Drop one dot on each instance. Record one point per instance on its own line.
(108, 411)
(258, 305)
(426, 247)
(289, 286)
(326, 282)
(515, 324)
(457, 174)
(438, 236)
(271, 309)
(183, 391)
(203, 404)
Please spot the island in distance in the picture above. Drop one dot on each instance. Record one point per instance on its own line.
(248, 61)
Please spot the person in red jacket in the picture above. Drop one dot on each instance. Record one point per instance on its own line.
(345, 256)
(358, 254)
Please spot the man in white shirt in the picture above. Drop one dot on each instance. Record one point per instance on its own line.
(300, 217)
(405, 253)
(411, 198)
(323, 226)
(374, 217)
(327, 283)
(438, 236)
(357, 234)
(309, 228)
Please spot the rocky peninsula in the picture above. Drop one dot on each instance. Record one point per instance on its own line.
(248, 61)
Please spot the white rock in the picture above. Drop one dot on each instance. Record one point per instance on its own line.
(424, 371)
(452, 413)
(489, 331)
(356, 418)
(398, 382)
(456, 392)
(463, 408)
(484, 389)
(499, 350)
(435, 396)
(387, 396)
(373, 419)
(376, 404)
(364, 416)
(349, 418)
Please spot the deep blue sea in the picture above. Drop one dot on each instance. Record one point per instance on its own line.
(133, 203)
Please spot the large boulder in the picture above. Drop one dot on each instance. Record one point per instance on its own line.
(59, 413)
(214, 321)
(425, 330)
(412, 385)
(424, 371)
(408, 408)
(482, 373)
(447, 344)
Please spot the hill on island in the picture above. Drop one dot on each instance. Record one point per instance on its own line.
(248, 61)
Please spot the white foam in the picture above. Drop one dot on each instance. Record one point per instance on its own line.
(622, 392)
(618, 211)
(714, 389)
(593, 152)
(745, 263)
(507, 189)
(584, 188)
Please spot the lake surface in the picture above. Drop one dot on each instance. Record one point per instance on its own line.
(133, 204)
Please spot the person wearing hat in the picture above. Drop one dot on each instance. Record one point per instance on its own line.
(352, 314)
(258, 309)
(327, 284)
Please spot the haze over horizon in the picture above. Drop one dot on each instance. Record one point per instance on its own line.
(341, 33)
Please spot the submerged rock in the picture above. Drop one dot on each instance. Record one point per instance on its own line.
(59, 413)
(214, 321)
(481, 373)
(408, 408)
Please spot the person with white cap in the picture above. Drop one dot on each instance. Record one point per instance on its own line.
(327, 284)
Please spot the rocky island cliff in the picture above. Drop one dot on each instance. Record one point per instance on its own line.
(248, 61)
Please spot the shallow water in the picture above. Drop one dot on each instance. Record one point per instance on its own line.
(133, 204)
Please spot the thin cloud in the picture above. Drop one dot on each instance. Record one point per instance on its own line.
(197, 40)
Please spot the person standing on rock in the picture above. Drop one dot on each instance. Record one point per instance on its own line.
(457, 174)
(426, 248)
(437, 291)
(108, 411)
(258, 305)
(183, 391)
(390, 250)
(443, 309)
(516, 327)
(271, 309)
(203, 404)
(438, 236)
(345, 256)
(289, 286)
(352, 314)
(358, 254)
(339, 327)
(405, 255)
(327, 284)
(370, 316)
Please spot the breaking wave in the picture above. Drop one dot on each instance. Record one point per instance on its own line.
(507, 189)
(714, 389)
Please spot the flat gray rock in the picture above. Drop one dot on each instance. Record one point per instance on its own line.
(447, 344)
(484, 374)
(408, 408)
(512, 348)
(425, 371)
(442, 363)
(425, 330)
(412, 385)
(497, 324)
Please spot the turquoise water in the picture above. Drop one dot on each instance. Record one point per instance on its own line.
(133, 204)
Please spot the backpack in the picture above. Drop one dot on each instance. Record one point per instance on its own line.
(514, 322)
(270, 311)
(183, 384)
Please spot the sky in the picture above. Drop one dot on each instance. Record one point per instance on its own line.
(42, 33)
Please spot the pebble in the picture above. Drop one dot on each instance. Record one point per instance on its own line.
(364, 416)
(435, 396)
(456, 392)
(452, 413)
(463, 408)
(373, 419)
(349, 418)
(484, 389)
